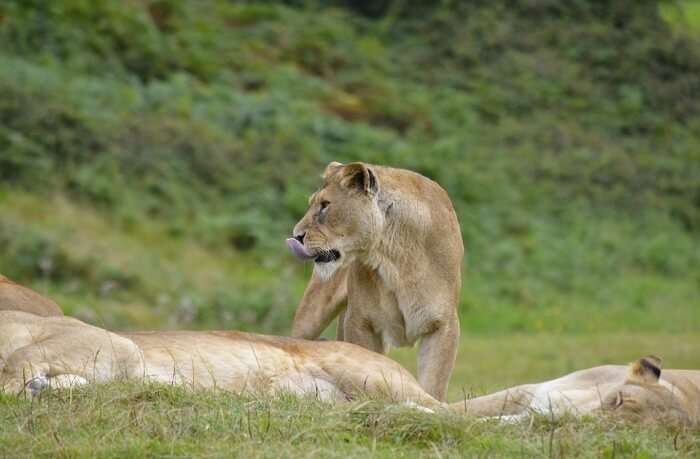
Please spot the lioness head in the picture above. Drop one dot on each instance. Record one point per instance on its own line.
(641, 396)
(343, 219)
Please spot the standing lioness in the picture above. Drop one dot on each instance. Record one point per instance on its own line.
(386, 244)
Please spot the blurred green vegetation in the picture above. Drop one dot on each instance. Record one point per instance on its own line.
(154, 155)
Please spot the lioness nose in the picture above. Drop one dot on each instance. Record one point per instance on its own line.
(300, 237)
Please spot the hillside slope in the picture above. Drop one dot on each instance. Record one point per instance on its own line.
(153, 158)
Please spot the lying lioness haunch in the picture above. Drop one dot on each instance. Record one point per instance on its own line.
(19, 298)
(387, 252)
(39, 352)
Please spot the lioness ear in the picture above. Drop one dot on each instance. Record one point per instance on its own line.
(359, 176)
(647, 370)
(331, 169)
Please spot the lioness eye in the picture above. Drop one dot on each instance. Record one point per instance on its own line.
(324, 205)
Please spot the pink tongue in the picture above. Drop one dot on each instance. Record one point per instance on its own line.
(298, 249)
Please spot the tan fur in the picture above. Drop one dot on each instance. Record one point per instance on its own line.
(19, 298)
(63, 350)
(398, 279)
(60, 351)
(628, 392)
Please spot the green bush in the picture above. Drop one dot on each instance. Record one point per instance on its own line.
(565, 133)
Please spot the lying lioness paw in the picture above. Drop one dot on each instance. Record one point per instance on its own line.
(387, 252)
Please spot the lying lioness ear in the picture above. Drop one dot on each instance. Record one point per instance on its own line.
(647, 370)
(359, 176)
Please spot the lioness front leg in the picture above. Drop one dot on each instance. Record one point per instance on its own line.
(436, 357)
(340, 328)
(322, 301)
(357, 329)
(511, 402)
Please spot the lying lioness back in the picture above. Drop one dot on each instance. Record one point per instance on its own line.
(241, 361)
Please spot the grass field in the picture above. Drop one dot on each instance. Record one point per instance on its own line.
(683, 14)
(120, 420)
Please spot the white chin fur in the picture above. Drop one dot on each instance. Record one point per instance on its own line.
(326, 270)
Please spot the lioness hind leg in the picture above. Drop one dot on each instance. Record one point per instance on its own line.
(436, 358)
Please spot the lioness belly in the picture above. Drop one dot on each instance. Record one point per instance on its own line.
(232, 368)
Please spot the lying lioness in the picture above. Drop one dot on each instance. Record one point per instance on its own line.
(37, 352)
(40, 352)
(639, 390)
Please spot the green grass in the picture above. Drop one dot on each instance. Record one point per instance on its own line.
(120, 420)
(683, 14)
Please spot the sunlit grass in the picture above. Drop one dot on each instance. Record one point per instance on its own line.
(683, 14)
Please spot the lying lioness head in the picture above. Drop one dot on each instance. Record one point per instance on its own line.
(639, 392)
(643, 394)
